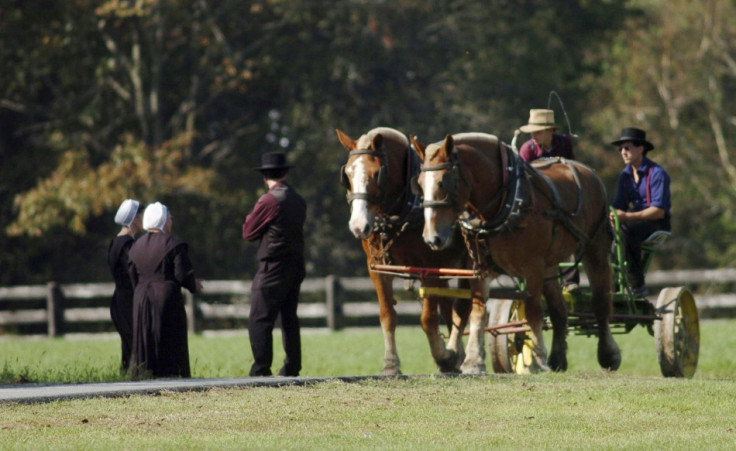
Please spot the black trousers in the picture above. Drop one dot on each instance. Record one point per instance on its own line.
(274, 293)
(633, 234)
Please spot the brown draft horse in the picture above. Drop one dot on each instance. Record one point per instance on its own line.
(521, 220)
(387, 217)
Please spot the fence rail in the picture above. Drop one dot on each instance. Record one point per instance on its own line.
(55, 309)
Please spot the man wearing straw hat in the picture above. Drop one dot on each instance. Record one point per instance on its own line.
(545, 142)
(277, 222)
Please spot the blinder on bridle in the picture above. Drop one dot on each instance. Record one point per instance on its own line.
(450, 183)
(381, 178)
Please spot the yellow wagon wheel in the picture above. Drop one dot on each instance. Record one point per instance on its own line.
(677, 334)
(510, 348)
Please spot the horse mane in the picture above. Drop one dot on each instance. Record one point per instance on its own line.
(466, 137)
(493, 139)
(386, 132)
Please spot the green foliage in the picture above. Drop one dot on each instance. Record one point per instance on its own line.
(174, 101)
(669, 72)
(75, 191)
(96, 360)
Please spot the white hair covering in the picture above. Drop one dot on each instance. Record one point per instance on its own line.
(126, 213)
(155, 216)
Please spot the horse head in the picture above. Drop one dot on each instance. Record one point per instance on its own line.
(365, 176)
(445, 189)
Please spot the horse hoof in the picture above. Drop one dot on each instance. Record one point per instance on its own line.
(609, 358)
(449, 364)
(390, 371)
(537, 367)
(473, 370)
(558, 365)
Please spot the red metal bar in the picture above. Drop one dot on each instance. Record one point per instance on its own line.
(505, 325)
(511, 330)
(422, 272)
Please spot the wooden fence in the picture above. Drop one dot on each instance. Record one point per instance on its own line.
(332, 302)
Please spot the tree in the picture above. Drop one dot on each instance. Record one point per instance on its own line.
(671, 72)
(174, 101)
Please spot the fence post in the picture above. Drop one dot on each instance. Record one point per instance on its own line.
(191, 304)
(333, 303)
(54, 309)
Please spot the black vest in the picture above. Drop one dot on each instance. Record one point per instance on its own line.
(285, 234)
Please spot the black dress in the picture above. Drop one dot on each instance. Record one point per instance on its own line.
(159, 267)
(121, 305)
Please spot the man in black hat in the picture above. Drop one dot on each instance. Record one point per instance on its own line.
(642, 200)
(277, 221)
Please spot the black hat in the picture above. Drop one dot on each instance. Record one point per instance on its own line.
(635, 135)
(273, 160)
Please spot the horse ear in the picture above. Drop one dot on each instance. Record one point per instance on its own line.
(448, 146)
(347, 142)
(418, 147)
(377, 141)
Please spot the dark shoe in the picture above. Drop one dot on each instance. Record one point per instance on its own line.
(284, 373)
(260, 373)
(640, 292)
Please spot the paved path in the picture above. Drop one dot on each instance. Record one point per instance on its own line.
(31, 393)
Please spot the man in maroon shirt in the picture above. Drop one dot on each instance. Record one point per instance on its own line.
(545, 142)
(277, 222)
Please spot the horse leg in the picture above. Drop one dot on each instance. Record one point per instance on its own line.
(558, 315)
(598, 268)
(460, 313)
(535, 318)
(387, 316)
(475, 351)
(455, 313)
(445, 358)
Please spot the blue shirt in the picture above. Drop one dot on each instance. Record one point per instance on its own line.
(632, 196)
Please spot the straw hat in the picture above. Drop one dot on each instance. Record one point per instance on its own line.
(539, 120)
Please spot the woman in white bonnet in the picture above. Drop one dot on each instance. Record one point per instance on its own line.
(159, 267)
(121, 307)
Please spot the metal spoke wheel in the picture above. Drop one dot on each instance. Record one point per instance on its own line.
(511, 348)
(677, 334)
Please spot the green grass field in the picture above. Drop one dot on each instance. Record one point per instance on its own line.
(358, 352)
(585, 408)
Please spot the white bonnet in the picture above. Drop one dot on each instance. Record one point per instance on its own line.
(126, 213)
(155, 216)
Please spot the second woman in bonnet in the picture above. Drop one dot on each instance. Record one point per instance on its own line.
(160, 267)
